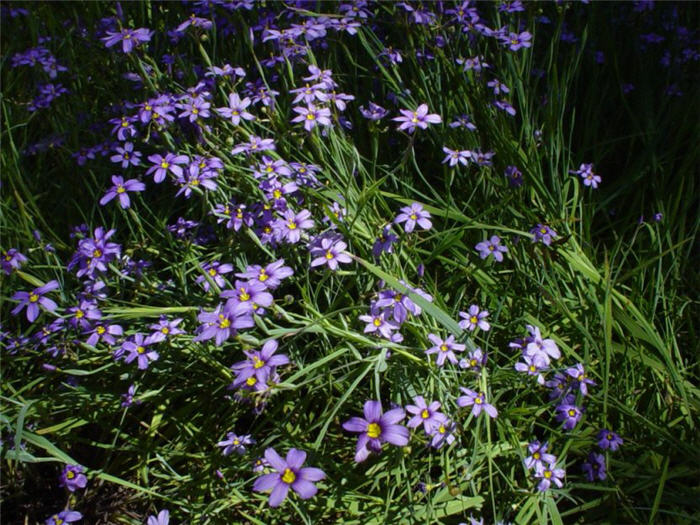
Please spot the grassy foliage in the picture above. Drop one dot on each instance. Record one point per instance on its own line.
(616, 293)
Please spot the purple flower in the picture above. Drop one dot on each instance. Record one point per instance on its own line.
(517, 41)
(289, 228)
(165, 329)
(260, 364)
(377, 428)
(252, 295)
(418, 118)
(384, 243)
(491, 247)
(538, 458)
(65, 516)
(594, 468)
(533, 365)
(12, 260)
(163, 518)
(548, 475)
(412, 215)
(214, 270)
(544, 348)
(585, 171)
(33, 299)
(544, 234)
(504, 105)
(290, 474)
(72, 477)
(311, 116)
(475, 318)
(195, 177)
(373, 112)
(223, 322)
(515, 176)
(138, 351)
(271, 275)
(569, 414)
(455, 157)
(607, 439)
(126, 155)
(128, 397)
(444, 349)
(120, 189)
(477, 401)
(330, 252)
(475, 360)
(399, 304)
(443, 433)
(379, 323)
(105, 333)
(163, 165)
(462, 121)
(234, 443)
(426, 415)
(236, 109)
(580, 378)
(129, 38)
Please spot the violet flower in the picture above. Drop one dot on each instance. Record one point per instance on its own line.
(377, 428)
(607, 439)
(32, 300)
(105, 333)
(580, 377)
(410, 120)
(329, 252)
(72, 477)
(164, 329)
(214, 270)
(384, 243)
(129, 38)
(443, 434)
(252, 295)
(126, 155)
(585, 171)
(477, 401)
(311, 116)
(271, 275)
(290, 474)
(444, 349)
(235, 443)
(412, 215)
(163, 165)
(120, 190)
(65, 516)
(594, 468)
(538, 458)
(455, 157)
(373, 112)
(260, 363)
(12, 260)
(138, 351)
(475, 318)
(569, 415)
(378, 323)
(223, 322)
(236, 109)
(290, 227)
(491, 247)
(548, 475)
(544, 234)
(427, 415)
(163, 518)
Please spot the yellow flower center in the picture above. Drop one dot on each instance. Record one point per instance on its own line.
(70, 474)
(244, 296)
(263, 276)
(236, 442)
(413, 216)
(141, 350)
(235, 112)
(377, 321)
(120, 188)
(415, 117)
(472, 362)
(33, 297)
(212, 272)
(251, 381)
(165, 330)
(269, 169)
(258, 363)
(478, 401)
(443, 348)
(547, 474)
(310, 116)
(329, 255)
(532, 368)
(164, 165)
(277, 194)
(473, 319)
(288, 477)
(195, 111)
(101, 330)
(97, 253)
(572, 413)
(292, 225)
(536, 455)
(374, 430)
(425, 414)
